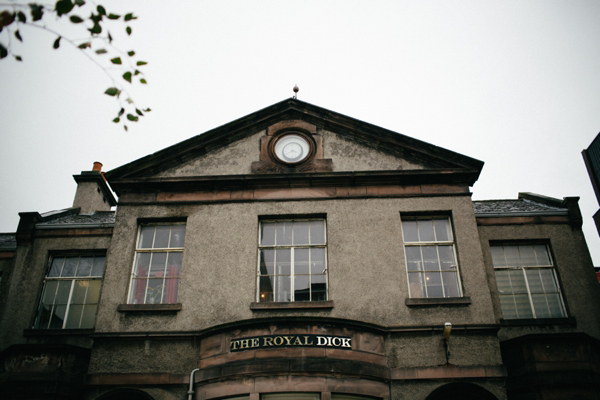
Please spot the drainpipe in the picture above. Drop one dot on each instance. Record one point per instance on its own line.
(191, 388)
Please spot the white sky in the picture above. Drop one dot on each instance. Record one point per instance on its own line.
(513, 83)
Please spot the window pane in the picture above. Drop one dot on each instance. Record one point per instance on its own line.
(517, 281)
(177, 236)
(450, 280)
(282, 262)
(509, 309)
(50, 292)
(317, 259)
(70, 266)
(433, 280)
(548, 281)
(142, 265)
(93, 293)
(301, 288)
(555, 306)
(267, 262)
(498, 256)
(535, 281)
(317, 232)
(415, 284)
(283, 288)
(267, 234)
(88, 317)
(527, 255)
(56, 267)
(301, 232)
(318, 288)
(266, 288)
(430, 258)
(62, 294)
(98, 268)
(74, 316)
(413, 258)
(161, 237)
(442, 230)
(301, 262)
(138, 291)
(540, 306)
(426, 233)
(146, 237)
(58, 316)
(512, 256)
(283, 236)
(409, 231)
(154, 292)
(174, 264)
(541, 252)
(85, 266)
(447, 261)
(523, 306)
(80, 288)
(503, 282)
(158, 264)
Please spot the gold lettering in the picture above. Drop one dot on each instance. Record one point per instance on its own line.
(338, 341)
(321, 343)
(267, 341)
(346, 342)
(306, 343)
(280, 340)
(297, 341)
(254, 343)
(288, 340)
(233, 345)
(244, 343)
(329, 341)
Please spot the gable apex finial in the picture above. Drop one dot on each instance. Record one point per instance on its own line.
(296, 89)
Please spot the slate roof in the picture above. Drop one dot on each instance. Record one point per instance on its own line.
(8, 241)
(102, 218)
(514, 206)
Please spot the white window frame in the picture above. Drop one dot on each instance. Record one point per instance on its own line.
(73, 279)
(292, 260)
(139, 250)
(524, 269)
(434, 243)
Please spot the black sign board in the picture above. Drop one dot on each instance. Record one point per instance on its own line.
(275, 341)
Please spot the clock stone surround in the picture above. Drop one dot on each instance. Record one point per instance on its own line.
(270, 163)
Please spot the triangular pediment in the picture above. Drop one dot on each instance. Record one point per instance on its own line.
(342, 144)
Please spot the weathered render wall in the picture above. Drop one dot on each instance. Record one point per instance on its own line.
(26, 285)
(574, 268)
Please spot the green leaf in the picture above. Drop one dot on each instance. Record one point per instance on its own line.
(142, 80)
(141, 63)
(129, 17)
(75, 19)
(18, 58)
(21, 16)
(128, 30)
(121, 111)
(116, 120)
(85, 45)
(101, 51)
(131, 53)
(132, 117)
(125, 127)
(113, 16)
(37, 11)
(129, 101)
(101, 10)
(109, 37)
(116, 60)
(96, 29)
(139, 112)
(147, 110)
(18, 36)
(127, 76)
(63, 7)
(79, 2)
(112, 91)
(56, 44)
(96, 18)
(136, 72)
(3, 51)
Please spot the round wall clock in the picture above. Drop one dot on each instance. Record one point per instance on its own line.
(292, 148)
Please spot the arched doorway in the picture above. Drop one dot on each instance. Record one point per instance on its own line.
(461, 391)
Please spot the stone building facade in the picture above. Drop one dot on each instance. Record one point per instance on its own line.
(297, 253)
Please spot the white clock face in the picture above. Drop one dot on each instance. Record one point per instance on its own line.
(292, 148)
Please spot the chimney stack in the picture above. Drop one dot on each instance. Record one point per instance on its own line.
(93, 193)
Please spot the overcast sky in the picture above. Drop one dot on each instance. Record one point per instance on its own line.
(515, 84)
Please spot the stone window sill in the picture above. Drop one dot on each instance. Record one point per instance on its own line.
(539, 321)
(292, 305)
(160, 308)
(442, 301)
(57, 332)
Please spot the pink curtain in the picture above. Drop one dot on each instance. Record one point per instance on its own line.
(172, 284)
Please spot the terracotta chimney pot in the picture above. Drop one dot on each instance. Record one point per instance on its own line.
(97, 166)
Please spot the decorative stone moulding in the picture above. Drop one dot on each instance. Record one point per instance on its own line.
(291, 146)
